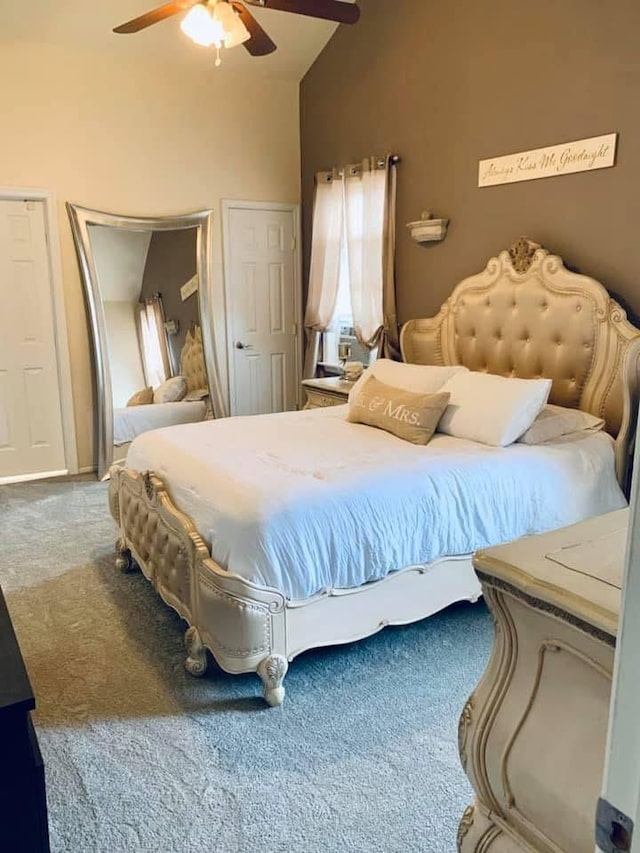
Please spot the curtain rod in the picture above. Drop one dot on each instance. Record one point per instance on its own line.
(394, 160)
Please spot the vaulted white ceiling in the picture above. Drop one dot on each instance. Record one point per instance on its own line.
(88, 24)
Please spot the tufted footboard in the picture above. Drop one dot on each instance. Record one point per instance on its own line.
(242, 625)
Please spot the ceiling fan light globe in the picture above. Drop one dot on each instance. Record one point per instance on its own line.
(235, 32)
(238, 37)
(201, 27)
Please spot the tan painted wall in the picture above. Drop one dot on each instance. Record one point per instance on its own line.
(139, 138)
(447, 84)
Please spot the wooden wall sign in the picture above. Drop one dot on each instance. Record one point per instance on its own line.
(597, 152)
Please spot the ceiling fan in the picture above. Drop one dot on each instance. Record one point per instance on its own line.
(230, 23)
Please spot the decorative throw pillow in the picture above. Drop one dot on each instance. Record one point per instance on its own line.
(492, 409)
(171, 391)
(410, 416)
(556, 421)
(141, 398)
(417, 378)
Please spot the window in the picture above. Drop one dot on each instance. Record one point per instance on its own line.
(341, 329)
(351, 282)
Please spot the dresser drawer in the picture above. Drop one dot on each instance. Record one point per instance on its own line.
(316, 400)
(326, 391)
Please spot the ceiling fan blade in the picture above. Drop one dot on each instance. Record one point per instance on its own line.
(259, 44)
(155, 15)
(330, 10)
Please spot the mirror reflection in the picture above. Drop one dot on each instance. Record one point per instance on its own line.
(148, 282)
(148, 287)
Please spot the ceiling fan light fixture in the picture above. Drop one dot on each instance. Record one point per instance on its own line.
(202, 27)
(235, 32)
(229, 23)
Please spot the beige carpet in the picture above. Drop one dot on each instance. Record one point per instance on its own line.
(141, 757)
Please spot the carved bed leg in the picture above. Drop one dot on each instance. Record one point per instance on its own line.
(196, 662)
(124, 560)
(272, 671)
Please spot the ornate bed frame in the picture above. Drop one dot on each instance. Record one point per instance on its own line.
(525, 315)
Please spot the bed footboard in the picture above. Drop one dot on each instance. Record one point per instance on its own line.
(162, 541)
(249, 628)
(242, 625)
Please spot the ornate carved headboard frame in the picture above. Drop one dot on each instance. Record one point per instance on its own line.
(526, 315)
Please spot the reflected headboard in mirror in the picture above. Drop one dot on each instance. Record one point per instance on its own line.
(115, 254)
(192, 360)
(527, 315)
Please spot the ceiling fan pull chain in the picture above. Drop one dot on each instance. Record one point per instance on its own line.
(218, 60)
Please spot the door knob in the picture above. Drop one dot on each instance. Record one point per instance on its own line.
(240, 345)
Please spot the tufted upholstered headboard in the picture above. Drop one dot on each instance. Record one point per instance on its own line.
(527, 315)
(192, 360)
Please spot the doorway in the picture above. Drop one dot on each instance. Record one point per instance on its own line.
(37, 434)
(263, 299)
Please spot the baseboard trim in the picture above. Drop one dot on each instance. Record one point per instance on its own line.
(25, 478)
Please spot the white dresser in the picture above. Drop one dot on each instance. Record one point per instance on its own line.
(532, 736)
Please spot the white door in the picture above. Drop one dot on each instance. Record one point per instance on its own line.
(621, 786)
(31, 431)
(261, 304)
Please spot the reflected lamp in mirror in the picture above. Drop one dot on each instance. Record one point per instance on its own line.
(132, 270)
(428, 229)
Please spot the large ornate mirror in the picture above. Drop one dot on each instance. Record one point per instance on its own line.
(148, 286)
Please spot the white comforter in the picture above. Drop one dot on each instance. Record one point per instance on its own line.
(131, 421)
(305, 500)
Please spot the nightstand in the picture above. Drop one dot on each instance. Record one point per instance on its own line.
(330, 391)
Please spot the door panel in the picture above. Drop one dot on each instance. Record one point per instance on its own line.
(31, 434)
(278, 382)
(262, 311)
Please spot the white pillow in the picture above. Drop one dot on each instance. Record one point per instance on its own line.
(415, 378)
(171, 391)
(492, 409)
(555, 421)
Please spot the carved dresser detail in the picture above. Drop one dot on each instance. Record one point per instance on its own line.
(532, 737)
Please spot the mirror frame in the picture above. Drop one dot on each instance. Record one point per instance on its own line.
(81, 218)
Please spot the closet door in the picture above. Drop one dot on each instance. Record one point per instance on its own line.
(262, 299)
(31, 431)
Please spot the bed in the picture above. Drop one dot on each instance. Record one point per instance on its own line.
(256, 601)
(131, 421)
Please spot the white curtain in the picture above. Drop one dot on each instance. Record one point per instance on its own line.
(369, 201)
(354, 217)
(153, 341)
(326, 244)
